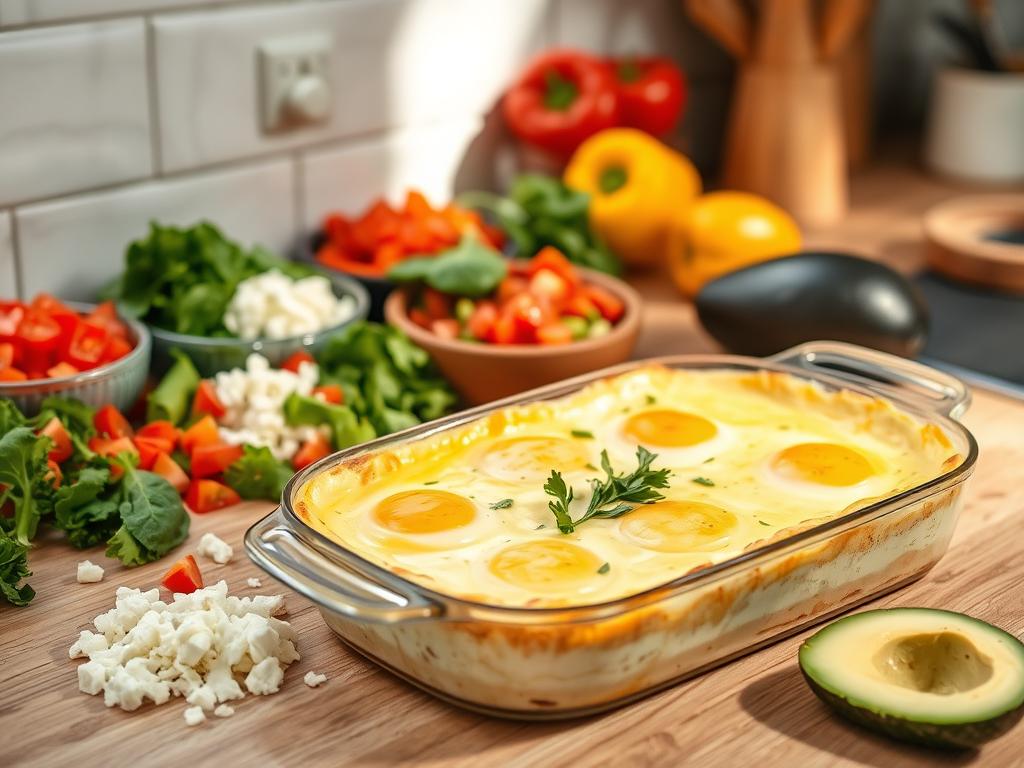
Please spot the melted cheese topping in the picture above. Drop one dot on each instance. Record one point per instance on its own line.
(752, 455)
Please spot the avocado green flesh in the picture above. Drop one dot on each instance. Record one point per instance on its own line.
(922, 675)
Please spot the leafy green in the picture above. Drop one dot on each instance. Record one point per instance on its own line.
(10, 416)
(85, 518)
(170, 399)
(258, 475)
(469, 269)
(388, 381)
(23, 471)
(612, 497)
(541, 210)
(14, 568)
(183, 279)
(346, 427)
(152, 516)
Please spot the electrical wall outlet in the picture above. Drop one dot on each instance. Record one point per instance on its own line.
(295, 81)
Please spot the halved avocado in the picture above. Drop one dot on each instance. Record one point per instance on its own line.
(918, 674)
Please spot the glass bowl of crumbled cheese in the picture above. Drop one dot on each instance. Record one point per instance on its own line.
(273, 315)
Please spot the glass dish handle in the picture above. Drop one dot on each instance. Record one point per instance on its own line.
(295, 561)
(894, 376)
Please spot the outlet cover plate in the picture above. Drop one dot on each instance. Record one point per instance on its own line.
(282, 63)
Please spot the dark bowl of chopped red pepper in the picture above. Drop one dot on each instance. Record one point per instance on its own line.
(118, 382)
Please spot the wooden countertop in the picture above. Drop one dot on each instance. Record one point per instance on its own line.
(756, 710)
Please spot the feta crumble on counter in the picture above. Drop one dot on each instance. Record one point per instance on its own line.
(313, 679)
(254, 398)
(207, 646)
(215, 548)
(89, 572)
(273, 306)
(254, 582)
(224, 710)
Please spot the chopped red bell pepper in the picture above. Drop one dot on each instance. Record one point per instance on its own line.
(39, 337)
(162, 430)
(652, 93)
(203, 432)
(554, 333)
(184, 577)
(208, 495)
(296, 359)
(117, 347)
(608, 304)
(110, 422)
(562, 98)
(151, 447)
(105, 316)
(311, 451)
(169, 470)
(481, 322)
(12, 374)
(206, 400)
(54, 474)
(330, 393)
(87, 344)
(58, 434)
(60, 370)
(213, 458)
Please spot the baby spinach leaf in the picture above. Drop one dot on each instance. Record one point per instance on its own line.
(469, 269)
(258, 475)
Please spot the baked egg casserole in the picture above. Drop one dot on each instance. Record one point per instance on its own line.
(751, 457)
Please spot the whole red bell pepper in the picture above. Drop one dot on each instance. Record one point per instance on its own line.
(562, 98)
(652, 93)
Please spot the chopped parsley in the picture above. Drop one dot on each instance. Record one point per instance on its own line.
(584, 433)
(503, 504)
(703, 481)
(762, 522)
(651, 399)
(432, 482)
(604, 569)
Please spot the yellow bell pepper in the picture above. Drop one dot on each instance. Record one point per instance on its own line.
(724, 231)
(638, 188)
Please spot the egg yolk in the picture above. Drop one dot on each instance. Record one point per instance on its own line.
(678, 526)
(546, 564)
(423, 512)
(670, 429)
(822, 463)
(531, 457)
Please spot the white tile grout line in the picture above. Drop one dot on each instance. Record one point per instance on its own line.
(153, 98)
(19, 280)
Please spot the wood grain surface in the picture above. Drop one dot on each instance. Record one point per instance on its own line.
(755, 711)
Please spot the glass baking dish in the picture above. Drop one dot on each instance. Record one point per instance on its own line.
(545, 663)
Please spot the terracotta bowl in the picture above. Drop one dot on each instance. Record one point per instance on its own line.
(485, 372)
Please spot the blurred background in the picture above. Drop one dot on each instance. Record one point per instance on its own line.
(114, 113)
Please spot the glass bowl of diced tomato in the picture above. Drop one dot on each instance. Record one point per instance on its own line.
(51, 348)
(546, 321)
(366, 246)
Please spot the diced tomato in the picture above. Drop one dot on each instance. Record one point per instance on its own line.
(417, 205)
(206, 400)
(160, 429)
(420, 317)
(62, 314)
(552, 258)
(110, 447)
(110, 422)
(184, 577)
(6, 354)
(528, 313)
(58, 434)
(510, 287)
(203, 432)
(580, 305)
(312, 450)
(39, 337)
(105, 316)
(117, 347)
(85, 348)
(12, 374)
(385, 256)
(608, 304)
(446, 328)
(207, 495)
(546, 282)
(481, 322)
(296, 359)
(169, 470)
(151, 447)
(61, 369)
(436, 304)
(554, 333)
(330, 393)
(11, 315)
(504, 329)
(213, 458)
(54, 474)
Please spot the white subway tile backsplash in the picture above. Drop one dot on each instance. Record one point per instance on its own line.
(33, 11)
(437, 160)
(639, 27)
(394, 63)
(73, 246)
(73, 109)
(8, 276)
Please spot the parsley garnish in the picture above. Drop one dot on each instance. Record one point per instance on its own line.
(651, 399)
(503, 504)
(762, 522)
(604, 569)
(703, 481)
(614, 496)
(432, 482)
(708, 461)
(539, 527)
(584, 433)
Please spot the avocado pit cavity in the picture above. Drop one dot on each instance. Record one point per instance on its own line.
(942, 663)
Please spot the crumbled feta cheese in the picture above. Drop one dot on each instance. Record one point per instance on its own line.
(254, 583)
(215, 548)
(313, 679)
(201, 646)
(89, 573)
(194, 715)
(224, 710)
(253, 401)
(274, 306)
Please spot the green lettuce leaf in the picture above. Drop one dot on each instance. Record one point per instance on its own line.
(258, 475)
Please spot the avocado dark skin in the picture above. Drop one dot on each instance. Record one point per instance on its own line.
(777, 304)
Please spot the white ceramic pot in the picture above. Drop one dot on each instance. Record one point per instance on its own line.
(976, 126)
